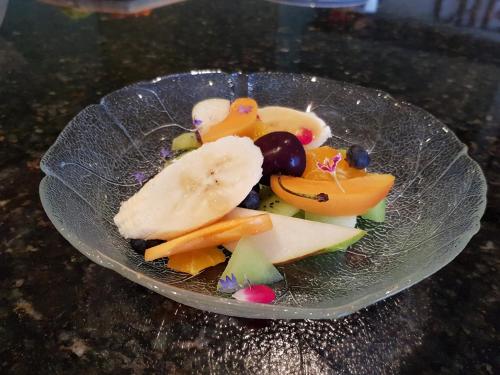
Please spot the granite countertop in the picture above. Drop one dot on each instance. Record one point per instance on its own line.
(61, 313)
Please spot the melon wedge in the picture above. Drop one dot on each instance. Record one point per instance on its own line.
(377, 213)
(349, 197)
(248, 263)
(292, 238)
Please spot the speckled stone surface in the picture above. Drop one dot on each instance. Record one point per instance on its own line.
(61, 314)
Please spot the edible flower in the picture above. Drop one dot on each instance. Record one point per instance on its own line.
(255, 294)
(140, 177)
(229, 285)
(244, 109)
(165, 152)
(330, 165)
(197, 122)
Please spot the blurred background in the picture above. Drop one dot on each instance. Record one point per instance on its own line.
(60, 313)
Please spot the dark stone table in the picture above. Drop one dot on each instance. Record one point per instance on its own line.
(62, 314)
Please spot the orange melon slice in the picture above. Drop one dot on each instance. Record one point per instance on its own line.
(347, 198)
(240, 121)
(193, 262)
(212, 235)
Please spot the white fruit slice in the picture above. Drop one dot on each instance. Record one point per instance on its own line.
(291, 120)
(196, 189)
(344, 221)
(293, 238)
(210, 112)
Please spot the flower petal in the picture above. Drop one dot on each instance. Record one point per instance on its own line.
(165, 152)
(229, 285)
(244, 109)
(255, 294)
(140, 177)
(325, 166)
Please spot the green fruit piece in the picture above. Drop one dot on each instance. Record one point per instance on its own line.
(300, 215)
(75, 14)
(377, 213)
(178, 155)
(265, 192)
(343, 245)
(248, 263)
(275, 205)
(345, 221)
(185, 141)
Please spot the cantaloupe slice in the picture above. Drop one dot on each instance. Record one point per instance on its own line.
(193, 262)
(352, 196)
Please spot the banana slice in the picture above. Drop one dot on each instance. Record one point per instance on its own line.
(278, 118)
(197, 189)
(210, 112)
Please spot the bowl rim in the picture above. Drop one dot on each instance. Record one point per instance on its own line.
(232, 307)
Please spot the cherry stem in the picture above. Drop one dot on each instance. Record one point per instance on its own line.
(321, 197)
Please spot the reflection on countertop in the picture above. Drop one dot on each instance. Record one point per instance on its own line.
(3, 9)
(117, 7)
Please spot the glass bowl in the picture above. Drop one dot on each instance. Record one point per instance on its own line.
(433, 210)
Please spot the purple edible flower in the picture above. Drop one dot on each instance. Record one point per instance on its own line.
(245, 109)
(165, 152)
(229, 285)
(197, 122)
(330, 165)
(140, 177)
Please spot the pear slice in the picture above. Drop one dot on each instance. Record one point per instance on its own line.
(293, 238)
(209, 112)
(344, 221)
(278, 118)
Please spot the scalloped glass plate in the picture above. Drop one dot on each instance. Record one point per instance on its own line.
(433, 210)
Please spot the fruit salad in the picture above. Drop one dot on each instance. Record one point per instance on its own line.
(256, 187)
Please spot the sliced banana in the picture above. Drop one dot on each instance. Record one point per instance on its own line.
(197, 189)
(210, 112)
(290, 120)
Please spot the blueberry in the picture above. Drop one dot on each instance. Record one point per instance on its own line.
(252, 201)
(151, 243)
(140, 246)
(358, 157)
